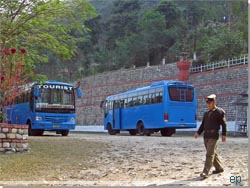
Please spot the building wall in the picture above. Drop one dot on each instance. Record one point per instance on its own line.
(226, 83)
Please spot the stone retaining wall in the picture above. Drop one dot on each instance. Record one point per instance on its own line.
(13, 138)
(226, 83)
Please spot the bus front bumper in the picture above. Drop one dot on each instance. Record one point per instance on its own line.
(53, 126)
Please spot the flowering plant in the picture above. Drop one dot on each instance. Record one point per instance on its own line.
(12, 76)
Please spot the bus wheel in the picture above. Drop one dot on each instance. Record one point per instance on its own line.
(140, 128)
(147, 132)
(65, 132)
(29, 130)
(132, 132)
(167, 131)
(110, 130)
(37, 132)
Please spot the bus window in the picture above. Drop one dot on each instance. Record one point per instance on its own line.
(158, 97)
(122, 102)
(116, 104)
(125, 102)
(105, 108)
(16, 100)
(152, 98)
(147, 99)
(181, 94)
(135, 101)
(129, 103)
(140, 100)
(110, 104)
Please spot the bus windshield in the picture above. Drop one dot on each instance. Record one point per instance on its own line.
(55, 100)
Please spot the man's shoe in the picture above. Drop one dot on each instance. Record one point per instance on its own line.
(203, 175)
(218, 171)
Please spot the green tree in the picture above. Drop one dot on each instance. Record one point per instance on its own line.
(44, 28)
(223, 44)
(123, 21)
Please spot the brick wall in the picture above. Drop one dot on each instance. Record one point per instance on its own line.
(13, 138)
(226, 83)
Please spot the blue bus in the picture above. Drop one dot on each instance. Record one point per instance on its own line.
(163, 106)
(48, 106)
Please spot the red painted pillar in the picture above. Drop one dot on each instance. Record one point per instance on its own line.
(183, 67)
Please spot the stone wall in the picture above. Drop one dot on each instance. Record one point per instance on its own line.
(13, 138)
(226, 83)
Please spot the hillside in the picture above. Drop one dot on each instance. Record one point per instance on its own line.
(128, 33)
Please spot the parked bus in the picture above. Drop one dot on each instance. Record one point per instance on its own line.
(49, 106)
(163, 106)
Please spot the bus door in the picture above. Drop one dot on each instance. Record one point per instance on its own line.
(116, 114)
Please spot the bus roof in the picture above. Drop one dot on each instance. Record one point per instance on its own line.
(153, 85)
(53, 82)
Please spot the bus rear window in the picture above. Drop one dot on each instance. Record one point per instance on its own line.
(181, 94)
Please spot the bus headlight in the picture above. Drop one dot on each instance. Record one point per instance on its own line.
(72, 119)
(39, 118)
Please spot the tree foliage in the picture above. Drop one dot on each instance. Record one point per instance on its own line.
(45, 28)
(130, 33)
(76, 42)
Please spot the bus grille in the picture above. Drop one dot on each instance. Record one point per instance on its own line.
(56, 119)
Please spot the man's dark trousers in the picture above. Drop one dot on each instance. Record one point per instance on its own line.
(211, 155)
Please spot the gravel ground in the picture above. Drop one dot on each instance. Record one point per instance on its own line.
(123, 160)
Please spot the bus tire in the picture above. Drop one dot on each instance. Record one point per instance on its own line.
(34, 132)
(147, 132)
(132, 132)
(65, 132)
(37, 132)
(110, 130)
(29, 129)
(140, 128)
(167, 131)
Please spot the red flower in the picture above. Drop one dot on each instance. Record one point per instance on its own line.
(6, 51)
(2, 78)
(23, 51)
(13, 50)
(21, 65)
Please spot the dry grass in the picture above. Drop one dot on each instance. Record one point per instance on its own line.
(50, 158)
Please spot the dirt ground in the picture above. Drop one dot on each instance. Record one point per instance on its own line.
(123, 160)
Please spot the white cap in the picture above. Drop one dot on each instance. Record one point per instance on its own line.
(211, 97)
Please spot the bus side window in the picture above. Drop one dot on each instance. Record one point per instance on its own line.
(122, 103)
(159, 97)
(16, 100)
(110, 105)
(105, 108)
(147, 99)
(134, 103)
(129, 102)
(143, 100)
(139, 100)
(152, 98)
(125, 102)
(117, 104)
(31, 100)
(23, 97)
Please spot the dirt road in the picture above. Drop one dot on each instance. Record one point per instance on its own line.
(124, 160)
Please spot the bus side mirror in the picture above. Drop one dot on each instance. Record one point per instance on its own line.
(79, 93)
(102, 104)
(36, 92)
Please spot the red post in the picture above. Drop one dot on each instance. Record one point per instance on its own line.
(183, 67)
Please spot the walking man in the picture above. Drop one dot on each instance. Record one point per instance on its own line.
(211, 122)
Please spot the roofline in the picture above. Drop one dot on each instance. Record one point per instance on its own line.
(53, 82)
(153, 85)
